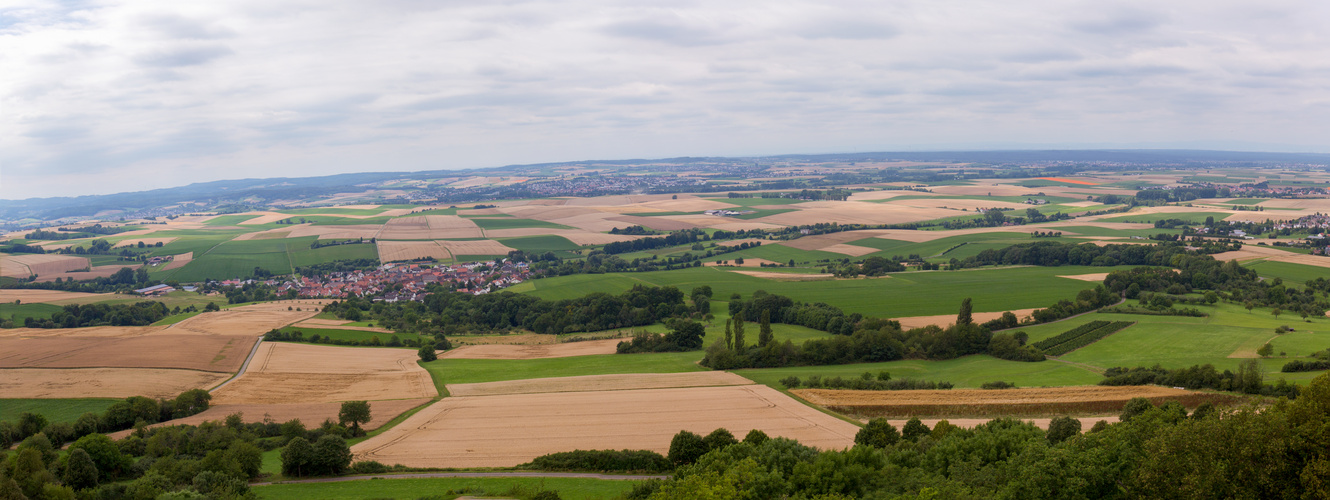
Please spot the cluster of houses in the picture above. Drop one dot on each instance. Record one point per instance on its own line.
(723, 213)
(474, 278)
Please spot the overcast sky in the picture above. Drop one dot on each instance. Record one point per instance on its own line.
(100, 97)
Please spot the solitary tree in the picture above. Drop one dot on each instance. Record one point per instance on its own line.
(764, 335)
(427, 353)
(298, 458)
(355, 412)
(686, 447)
(729, 334)
(965, 317)
(1266, 350)
(1277, 311)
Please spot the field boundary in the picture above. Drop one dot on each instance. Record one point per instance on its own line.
(433, 475)
(243, 366)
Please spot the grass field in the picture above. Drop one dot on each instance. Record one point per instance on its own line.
(55, 410)
(749, 202)
(232, 259)
(356, 335)
(446, 488)
(965, 372)
(229, 220)
(541, 244)
(21, 312)
(503, 223)
(1193, 217)
(1289, 272)
(781, 253)
(764, 212)
(900, 294)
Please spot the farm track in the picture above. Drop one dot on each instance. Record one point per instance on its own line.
(244, 366)
(431, 475)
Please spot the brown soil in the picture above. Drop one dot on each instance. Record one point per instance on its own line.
(301, 373)
(1079, 400)
(619, 382)
(504, 431)
(946, 319)
(103, 382)
(500, 351)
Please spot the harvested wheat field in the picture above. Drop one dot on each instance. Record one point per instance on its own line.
(851, 250)
(518, 339)
(786, 276)
(532, 351)
(946, 319)
(102, 382)
(1093, 277)
(504, 431)
(44, 296)
(820, 241)
(96, 272)
(214, 353)
(179, 261)
(657, 223)
(855, 212)
(429, 227)
(251, 320)
(301, 373)
(145, 241)
(310, 414)
(22, 266)
(336, 232)
(972, 204)
(392, 251)
(620, 382)
(732, 225)
(594, 222)
(475, 247)
(1078, 400)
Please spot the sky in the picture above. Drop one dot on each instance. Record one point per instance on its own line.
(101, 97)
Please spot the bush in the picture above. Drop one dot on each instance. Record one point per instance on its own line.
(603, 461)
(427, 353)
(1062, 428)
(997, 385)
(878, 433)
(790, 382)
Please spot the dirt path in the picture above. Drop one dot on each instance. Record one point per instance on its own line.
(243, 366)
(428, 475)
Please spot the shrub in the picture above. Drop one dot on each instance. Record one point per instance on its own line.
(790, 382)
(878, 433)
(997, 385)
(603, 461)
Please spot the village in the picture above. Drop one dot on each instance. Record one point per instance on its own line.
(401, 281)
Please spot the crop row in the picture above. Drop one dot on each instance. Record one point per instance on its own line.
(1087, 338)
(1045, 344)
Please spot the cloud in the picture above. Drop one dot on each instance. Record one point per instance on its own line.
(211, 90)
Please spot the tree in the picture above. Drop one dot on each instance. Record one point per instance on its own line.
(1249, 305)
(686, 447)
(427, 353)
(1266, 350)
(1277, 311)
(1062, 428)
(30, 472)
(298, 458)
(738, 334)
(914, 429)
(756, 437)
(104, 454)
(878, 433)
(965, 317)
(191, 402)
(80, 472)
(764, 335)
(331, 455)
(1134, 407)
(686, 334)
(355, 412)
(738, 261)
(719, 439)
(729, 334)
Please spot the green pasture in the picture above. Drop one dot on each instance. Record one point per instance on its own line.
(1103, 231)
(541, 244)
(446, 488)
(1192, 217)
(55, 410)
(779, 253)
(327, 220)
(1289, 272)
(229, 220)
(897, 295)
(1245, 201)
(355, 335)
(764, 212)
(234, 259)
(502, 223)
(333, 210)
(465, 371)
(751, 202)
(22, 312)
(965, 372)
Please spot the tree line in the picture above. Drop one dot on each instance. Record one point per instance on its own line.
(83, 315)
(1165, 451)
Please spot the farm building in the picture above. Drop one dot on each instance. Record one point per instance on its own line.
(155, 290)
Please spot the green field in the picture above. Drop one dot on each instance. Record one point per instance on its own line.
(333, 210)
(503, 223)
(750, 202)
(355, 335)
(965, 372)
(544, 243)
(758, 213)
(780, 253)
(1289, 272)
(235, 259)
(55, 410)
(466, 371)
(900, 294)
(21, 312)
(229, 220)
(446, 488)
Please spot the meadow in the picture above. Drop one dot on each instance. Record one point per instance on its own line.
(55, 410)
(920, 293)
(351, 335)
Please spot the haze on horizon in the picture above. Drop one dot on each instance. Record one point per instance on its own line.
(109, 96)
